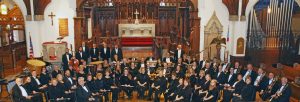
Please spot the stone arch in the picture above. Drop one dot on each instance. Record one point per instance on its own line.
(213, 29)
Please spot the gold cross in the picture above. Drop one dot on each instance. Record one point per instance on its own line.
(51, 16)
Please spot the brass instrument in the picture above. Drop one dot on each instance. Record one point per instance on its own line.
(278, 93)
(260, 79)
(269, 88)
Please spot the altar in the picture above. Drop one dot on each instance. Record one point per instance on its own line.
(136, 30)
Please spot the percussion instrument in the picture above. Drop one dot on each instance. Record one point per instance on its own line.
(34, 64)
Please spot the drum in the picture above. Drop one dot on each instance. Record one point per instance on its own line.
(34, 64)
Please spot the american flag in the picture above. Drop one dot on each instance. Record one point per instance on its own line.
(31, 48)
(228, 35)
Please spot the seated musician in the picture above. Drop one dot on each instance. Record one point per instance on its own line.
(234, 89)
(212, 93)
(192, 76)
(35, 83)
(158, 86)
(260, 79)
(69, 93)
(142, 82)
(171, 94)
(247, 94)
(200, 80)
(269, 87)
(19, 93)
(168, 59)
(83, 93)
(171, 87)
(100, 85)
(200, 93)
(44, 76)
(179, 72)
(55, 91)
(166, 70)
(283, 92)
(90, 82)
(69, 82)
(133, 70)
(126, 81)
(30, 89)
(109, 86)
(142, 63)
(105, 65)
(220, 75)
(55, 71)
(184, 95)
(81, 72)
(159, 64)
(115, 86)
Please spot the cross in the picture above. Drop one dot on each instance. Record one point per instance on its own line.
(51, 16)
(136, 14)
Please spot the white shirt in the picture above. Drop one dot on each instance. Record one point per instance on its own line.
(235, 83)
(165, 71)
(203, 64)
(104, 50)
(245, 76)
(80, 54)
(116, 51)
(85, 88)
(229, 77)
(179, 54)
(281, 88)
(83, 48)
(143, 65)
(24, 93)
(168, 60)
(70, 80)
(219, 74)
(37, 80)
(94, 50)
(224, 67)
(68, 57)
(257, 79)
(270, 81)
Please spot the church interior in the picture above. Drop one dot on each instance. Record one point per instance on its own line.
(149, 50)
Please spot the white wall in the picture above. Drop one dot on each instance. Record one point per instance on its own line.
(43, 31)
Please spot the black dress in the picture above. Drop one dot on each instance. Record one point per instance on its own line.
(142, 79)
(125, 80)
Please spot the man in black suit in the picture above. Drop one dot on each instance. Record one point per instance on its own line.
(69, 81)
(269, 87)
(116, 51)
(220, 76)
(20, 94)
(178, 53)
(81, 56)
(85, 49)
(105, 52)
(208, 69)
(283, 93)
(249, 72)
(230, 78)
(94, 53)
(83, 93)
(65, 59)
(260, 79)
(35, 83)
(168, 59)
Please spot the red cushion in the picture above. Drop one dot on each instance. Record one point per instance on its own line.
(137, 41)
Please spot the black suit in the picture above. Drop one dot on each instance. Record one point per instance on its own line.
(252, 74)
(82, 95)
(86, 50)
(231, 80)
(105, 55)
(165, 59)
(67, 83)
(18, 97)
(286, 94)
(119, 53)
(220, 77)
(176, 55)
(81, 56)
(55, 92)
(65, 60)
(34, 84)
(94, 53)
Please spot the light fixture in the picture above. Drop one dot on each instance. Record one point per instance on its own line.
(269, 10)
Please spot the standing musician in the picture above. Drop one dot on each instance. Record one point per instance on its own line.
(126, 82)
(142, 81)
(66, 58)
(85, 49)
(283, 93)
(269, 87)
(105, 52)
(81, 56)
(83, 93)
(178, 53)
(94, 53)
(185, 93)
(116, 52)
(158, 86)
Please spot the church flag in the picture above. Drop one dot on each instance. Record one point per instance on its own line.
(228, 35)
(31, 48)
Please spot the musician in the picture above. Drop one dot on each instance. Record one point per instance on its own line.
(115, 86)
(83, 93)
(159, 86)
(66, 58)
(100, 84)
(55, 91)
(35, 82)
(124, 64)
(142, 63)
(116, 51)
(55, 71)
(30, 89)
(19, 93)
(230, 77)
(166, 70)
(220, 75)
(107, 86)
(81, 56)
(179, 72)
(283, 92)
(105, 52)
(249, 72)
(178, 53)
(208, 69)
(233, 89)
(181, 64)
(94, 53)
(69, 93)
(69, 81)
(185, 93)
(172, 95)
(126, 82)
(81, 72)
(237, 67)
(85, 49)
(172, 86)
(90, 82)
(212, 93)
(44, 76)
(225, 65)
(260, 79)
(200, 80)
(142, 80)
(269, 87)
(133, 70)
(247, 94)
(168, 59)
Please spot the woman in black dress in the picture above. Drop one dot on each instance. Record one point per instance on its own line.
(212, 93)
(185, 93)
(44, 77)
(126, 83)
(142, 82)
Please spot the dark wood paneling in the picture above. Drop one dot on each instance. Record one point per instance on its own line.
(232, 5)
(39, 6)
(244, 6)
(27, 4)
